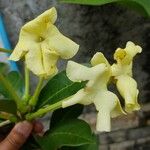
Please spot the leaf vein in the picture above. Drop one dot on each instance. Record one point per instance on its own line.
(46, 101)
(63, 133)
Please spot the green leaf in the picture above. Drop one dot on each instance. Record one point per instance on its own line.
(89, 2)
(16, 81)
(142, 6)
(137, 6)
(3, 67)
(93, 146)
(69, 133)
(58, 88)
(8, 106)
(62, 115)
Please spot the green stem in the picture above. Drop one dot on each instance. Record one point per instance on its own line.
(5, 50)
(27, 86)
(43, 111)
(12, 93)
(34, 98)
(5, 123)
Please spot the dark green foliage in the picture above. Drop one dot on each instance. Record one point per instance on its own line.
(142, 6)
(58, 88)
(8, 106)
(73, 132)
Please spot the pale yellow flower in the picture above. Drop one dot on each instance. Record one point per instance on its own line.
(95, 91)
(122, 72)
(42, 45)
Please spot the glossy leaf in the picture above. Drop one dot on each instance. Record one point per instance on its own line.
(89, 2)
(140, 6)
(69, 133)
(16, 81)
(58, 88)
(8, 106)
(93, 146)
(143, 6)
(62, 115)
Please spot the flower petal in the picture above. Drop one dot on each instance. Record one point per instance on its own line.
(103, 121)
(39, 25)
(81, 97)
(117, 111)
(19, 51)
(77, 72)
(107, 105)
(132, 49)
(107, 100)
(119, 69)
(34, 60)
(99, 58)
(65, 47)
(125, 56)
(49, 61)
(26, 42)
(127, 87)
(48, 16)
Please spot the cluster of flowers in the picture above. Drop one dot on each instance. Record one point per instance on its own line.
(41, 44)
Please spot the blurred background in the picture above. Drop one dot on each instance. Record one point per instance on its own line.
(98, 28)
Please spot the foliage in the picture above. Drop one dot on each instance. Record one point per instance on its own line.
(8, 106)
(69, 133)
(65, 128)
(142, 6)
(16, 80)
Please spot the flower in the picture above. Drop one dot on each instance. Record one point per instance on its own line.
(122, 72)
(41, 43)
(95, 91)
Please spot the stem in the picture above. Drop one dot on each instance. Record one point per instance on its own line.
(34, 98)
(12, 93)
(43, 111)
(5, 50)
(27, 86)
(5, 123)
